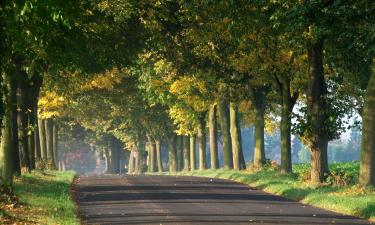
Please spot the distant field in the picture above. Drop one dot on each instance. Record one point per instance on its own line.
(351, 199)
(45, 198)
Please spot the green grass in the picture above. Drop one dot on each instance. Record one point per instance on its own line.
(46, 196)
(351, 200)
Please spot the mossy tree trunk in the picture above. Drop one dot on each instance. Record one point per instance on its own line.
(192, 153)
(367, 166)
(224, 119)
(212, 124)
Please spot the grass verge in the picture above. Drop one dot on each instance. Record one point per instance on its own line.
(352, 199)
(44, 199)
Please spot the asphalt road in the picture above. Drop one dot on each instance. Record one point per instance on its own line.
(189, 200)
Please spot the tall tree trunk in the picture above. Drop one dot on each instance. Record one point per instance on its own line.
(202, 141)
(223, 108)
(212, 124)
(192, 153)
(158, 156)
(316, 106)
(235, 132)
(141, 148)
(285, 127)
(31, 140)
(14, 127)
(367, 168)
(131, 165)
(172, 158)
(115, 148)
(49, 141)
(152, 153)
(6, 148)
(148, 150)
(107, 156)
(38, 154)
(42, 139)
(22, 125)
(186, 153)
(34, 142)
(259, 107)
(180, 149)
(55, 142)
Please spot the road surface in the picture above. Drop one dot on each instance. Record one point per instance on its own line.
(189, 200)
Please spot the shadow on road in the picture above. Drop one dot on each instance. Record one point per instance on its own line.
(190, 200)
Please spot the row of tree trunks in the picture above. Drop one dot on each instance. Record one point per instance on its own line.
(20, 95)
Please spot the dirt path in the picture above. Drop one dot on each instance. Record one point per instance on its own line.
(190, 200)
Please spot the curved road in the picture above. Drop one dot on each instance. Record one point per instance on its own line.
(189, 200)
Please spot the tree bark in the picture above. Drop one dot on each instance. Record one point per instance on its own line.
(115, 148)
(202, 141)
(42, 139)
(55, 141)
(38, 154)
(223, 108)
(158, 156)
(132, 159)
(235, 132)
(141, 148)
(49, 141)
(107, 156)
(367, 164)
(14, 127)
(259, 107)
(192, 153)
(6, 147)
(186, 153)
(152, 153)
(34, 145)
(31, 140)
(22, 124)
(316, 106)
(285, 127)
(212, 124)
(172, 161)
(180, 149)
